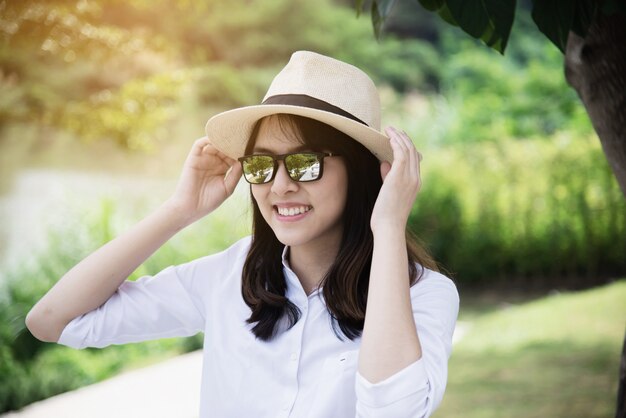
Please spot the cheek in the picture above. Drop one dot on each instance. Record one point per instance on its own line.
(259, 194)
(337, 191)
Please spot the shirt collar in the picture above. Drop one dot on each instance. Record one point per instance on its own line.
(285, 261)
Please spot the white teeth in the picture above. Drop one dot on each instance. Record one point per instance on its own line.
(293, 211)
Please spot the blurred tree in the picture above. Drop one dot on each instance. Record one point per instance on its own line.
(119, 69)
(590, 33)
(59, 62)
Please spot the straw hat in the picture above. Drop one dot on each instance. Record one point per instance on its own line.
(317, 87)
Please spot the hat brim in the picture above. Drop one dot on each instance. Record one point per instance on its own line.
(229, 131)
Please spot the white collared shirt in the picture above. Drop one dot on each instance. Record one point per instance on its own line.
(305, 371)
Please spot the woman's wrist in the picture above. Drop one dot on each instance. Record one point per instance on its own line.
(176, 215)
(389, 229)
(389, 232)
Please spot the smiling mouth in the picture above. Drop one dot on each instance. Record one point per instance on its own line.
(293, 211)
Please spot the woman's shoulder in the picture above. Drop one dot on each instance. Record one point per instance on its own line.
(237, 250)
(226, 259)
(432, 282)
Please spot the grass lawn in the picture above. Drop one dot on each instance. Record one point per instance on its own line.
(555, 356)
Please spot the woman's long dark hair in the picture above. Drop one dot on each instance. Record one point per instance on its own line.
(346, 283)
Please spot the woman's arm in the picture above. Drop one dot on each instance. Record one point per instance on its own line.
(390, 341)
(203, 186)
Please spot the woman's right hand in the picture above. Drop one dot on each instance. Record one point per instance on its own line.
(203, 184)
(202, 187)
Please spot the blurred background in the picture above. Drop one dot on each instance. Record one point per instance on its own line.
(100, 102)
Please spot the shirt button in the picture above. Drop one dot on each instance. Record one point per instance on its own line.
(293, 356)
(285, 407)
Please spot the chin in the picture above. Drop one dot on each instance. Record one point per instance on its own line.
(290, 239)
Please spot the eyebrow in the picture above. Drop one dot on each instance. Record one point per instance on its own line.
(261, 150)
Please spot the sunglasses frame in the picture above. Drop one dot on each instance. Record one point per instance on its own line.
(281, 157)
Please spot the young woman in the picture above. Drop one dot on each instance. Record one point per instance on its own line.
(329, 309)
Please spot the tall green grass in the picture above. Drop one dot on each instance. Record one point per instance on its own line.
(524, 210)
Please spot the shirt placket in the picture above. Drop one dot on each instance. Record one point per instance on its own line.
(296, 294)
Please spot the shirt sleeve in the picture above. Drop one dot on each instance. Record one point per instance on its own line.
(170, 304)
(417, 390)
(149, 308)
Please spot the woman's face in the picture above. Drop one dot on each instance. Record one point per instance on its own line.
(321, 203)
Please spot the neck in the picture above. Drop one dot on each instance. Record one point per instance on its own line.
(312, 262)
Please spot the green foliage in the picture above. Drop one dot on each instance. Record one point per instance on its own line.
(223, 85)
(491, 20)
(522, 210)
(522, 95)
(116, 70)
(379, 11)
(132, 117)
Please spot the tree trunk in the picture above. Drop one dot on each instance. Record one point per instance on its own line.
(595, 66)
(621, 389)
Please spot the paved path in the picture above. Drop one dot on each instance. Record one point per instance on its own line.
(165, 390)
(170, 389)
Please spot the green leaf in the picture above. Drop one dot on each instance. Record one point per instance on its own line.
(377, 20)
(490, 37)
(488, 20)
(554, 18)
(380, 11)
(432, 5)
(358, 5)
(502, 14)
(445, 14)
(471, 16)
(385, 7)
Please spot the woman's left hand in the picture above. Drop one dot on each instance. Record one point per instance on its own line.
(401, 183)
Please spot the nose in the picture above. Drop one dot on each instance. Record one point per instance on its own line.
(282, 183)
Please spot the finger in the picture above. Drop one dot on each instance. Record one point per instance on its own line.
(232, 177)
(414, 155)
(199, 144)
(414, 160)
(401, 158)
(385, 166)
(406, 141)
(408, 146)
(210, 149)
(228, 159)
(220, 166)
(415, 165)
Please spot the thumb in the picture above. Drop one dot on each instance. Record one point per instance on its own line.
(385, 166)
(232, 177)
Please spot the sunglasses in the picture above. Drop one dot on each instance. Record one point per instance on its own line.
(301, 166)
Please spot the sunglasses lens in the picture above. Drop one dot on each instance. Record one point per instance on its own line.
(303, 167)
(258, 169)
